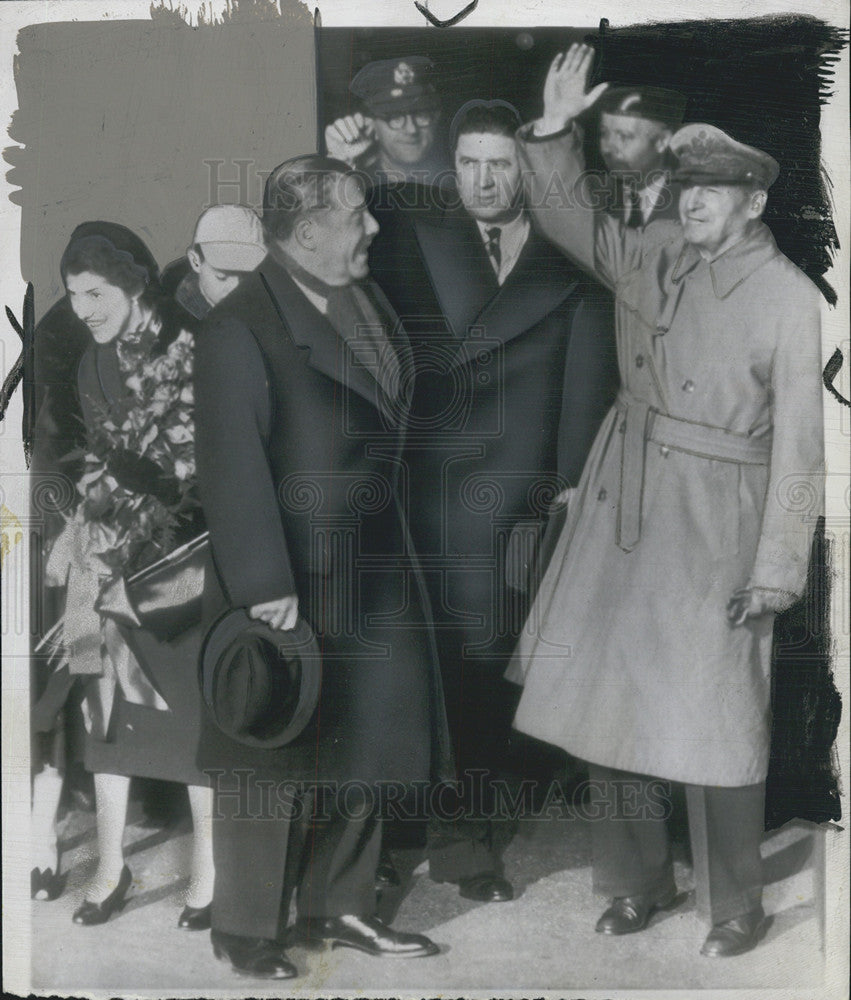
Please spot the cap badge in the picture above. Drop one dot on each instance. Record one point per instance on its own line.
(403, 75)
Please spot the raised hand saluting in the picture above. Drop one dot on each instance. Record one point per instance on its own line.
(565, 90)
(348, 138)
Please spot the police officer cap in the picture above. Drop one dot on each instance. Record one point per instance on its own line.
(706, 155)
(396, 86)
(652, 103)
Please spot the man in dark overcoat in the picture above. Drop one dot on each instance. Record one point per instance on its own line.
(513, 353)
(300, 422)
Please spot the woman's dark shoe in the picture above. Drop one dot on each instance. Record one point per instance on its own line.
(195, 918)
(259, 957)
(46, 885)
(364, 934)
(736, 936)
(629, 914)
(89, 914)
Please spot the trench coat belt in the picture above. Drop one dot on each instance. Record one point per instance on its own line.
(642, 423)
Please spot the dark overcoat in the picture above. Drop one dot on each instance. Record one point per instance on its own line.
(298, 460)
(512, 382)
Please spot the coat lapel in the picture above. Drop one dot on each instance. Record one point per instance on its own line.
(457, 264)
(310, 330)
(541, 280)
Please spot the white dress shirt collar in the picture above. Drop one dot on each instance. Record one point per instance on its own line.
(512, 239)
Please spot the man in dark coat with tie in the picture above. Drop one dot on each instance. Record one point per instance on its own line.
(514, 368)
(301, 415)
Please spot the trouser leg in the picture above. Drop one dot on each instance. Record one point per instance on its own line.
(461, 834)
(342, 843)
(250, 841)
(630, 843)
(726, 826)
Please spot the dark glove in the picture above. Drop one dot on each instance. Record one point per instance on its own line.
(141, 475)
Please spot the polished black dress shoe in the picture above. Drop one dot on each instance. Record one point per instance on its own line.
(195, 918)
(366, 934)
(46, 884)
(486, 887)
(89, 914)
(259, 957)
(629, 914)
(386, 876)
(736, 936)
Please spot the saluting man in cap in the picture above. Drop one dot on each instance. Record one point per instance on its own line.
(650, 652)
(392, 136)
(636, 125)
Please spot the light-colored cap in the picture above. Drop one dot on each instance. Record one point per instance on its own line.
(231, 238)
(707, 155)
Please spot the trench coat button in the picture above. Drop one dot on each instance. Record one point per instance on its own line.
(622, 427)
(688, 385)
(639, 361)
(664, 451)
(602, 495)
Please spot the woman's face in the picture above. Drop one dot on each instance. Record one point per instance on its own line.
(104, 308)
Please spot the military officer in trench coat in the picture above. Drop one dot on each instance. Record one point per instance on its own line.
(648, 651)
(300, 419)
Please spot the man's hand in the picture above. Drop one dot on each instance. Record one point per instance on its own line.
(565, 95)
(349, 138)
(562, 499)
(281, 614)
(753, 602)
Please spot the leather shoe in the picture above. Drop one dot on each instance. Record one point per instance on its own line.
(386, 876)
(258, 957)
(736, 936)
(366, 934)
(629, 914)
(195, 918)
(486, 887)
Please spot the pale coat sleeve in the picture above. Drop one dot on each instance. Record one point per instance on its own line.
(795, 495)
(564, 203)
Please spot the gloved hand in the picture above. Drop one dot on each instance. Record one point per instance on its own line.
(142, 475)
(752, 602)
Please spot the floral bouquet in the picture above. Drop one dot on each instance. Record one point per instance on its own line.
(136, 487)
(117, 555)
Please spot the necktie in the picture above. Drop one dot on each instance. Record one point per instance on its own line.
(634, 218)
(492, 246)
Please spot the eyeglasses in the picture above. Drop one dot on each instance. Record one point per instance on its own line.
(422, 119)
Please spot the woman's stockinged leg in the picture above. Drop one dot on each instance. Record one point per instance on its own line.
(111, 793)
(202, 872)
(47, 789)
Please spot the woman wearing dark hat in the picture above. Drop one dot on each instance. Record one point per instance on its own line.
(132, 407)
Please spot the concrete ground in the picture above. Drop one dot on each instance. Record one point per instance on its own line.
(543, 940)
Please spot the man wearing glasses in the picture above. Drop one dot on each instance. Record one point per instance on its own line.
(392, 136)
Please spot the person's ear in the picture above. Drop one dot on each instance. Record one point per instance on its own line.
(194, 259)
(305, 234)
(757, 203)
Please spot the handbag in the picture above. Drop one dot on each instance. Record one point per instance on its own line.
(166, 597)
